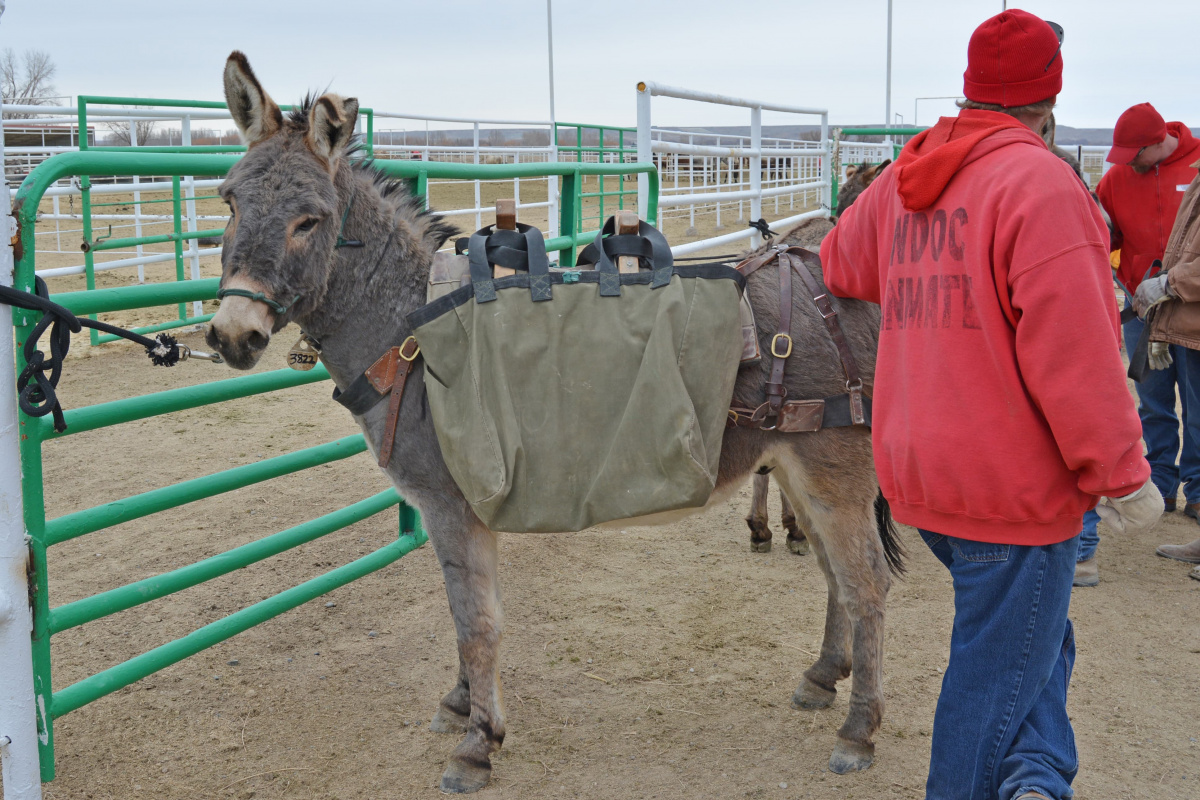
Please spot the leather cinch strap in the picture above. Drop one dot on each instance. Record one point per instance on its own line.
(852, 408)
(383, 379)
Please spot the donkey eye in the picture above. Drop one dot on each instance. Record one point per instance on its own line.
(307, 225)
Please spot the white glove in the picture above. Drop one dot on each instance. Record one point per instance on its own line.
(1133, 513)
(1151, 292)
(1159, 355)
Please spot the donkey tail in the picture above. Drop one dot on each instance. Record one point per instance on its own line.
(893, 551)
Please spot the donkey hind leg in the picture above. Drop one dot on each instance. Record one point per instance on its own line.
(797, 540)
(818, 689)
(760, 532)
(850, 551)
(468, 553)
(455, 709)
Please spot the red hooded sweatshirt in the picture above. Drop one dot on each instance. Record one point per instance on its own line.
(1000, 405)
(1143, 207)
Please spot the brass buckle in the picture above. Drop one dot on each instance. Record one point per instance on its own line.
(775, 350)
(416, 352)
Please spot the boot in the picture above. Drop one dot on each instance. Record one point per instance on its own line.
(1189, 553)
(1169, 506)
(1087, 573)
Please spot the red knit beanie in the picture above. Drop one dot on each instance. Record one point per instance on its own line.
(1014, 59)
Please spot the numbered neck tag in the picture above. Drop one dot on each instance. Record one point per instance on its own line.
(304, 354)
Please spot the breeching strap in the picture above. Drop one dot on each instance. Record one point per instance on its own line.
(852, 408)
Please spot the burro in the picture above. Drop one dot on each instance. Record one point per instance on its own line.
(297, 194)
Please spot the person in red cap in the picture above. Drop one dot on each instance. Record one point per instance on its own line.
(1153, 163)
(1001, 409)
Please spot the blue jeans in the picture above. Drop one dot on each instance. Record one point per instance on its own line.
(1001, 726)
(1160, 426)
(1089, 537)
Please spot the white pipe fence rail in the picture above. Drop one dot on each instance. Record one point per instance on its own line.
(737, 172)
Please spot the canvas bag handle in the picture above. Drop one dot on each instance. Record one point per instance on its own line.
(523, 249)
(649, 244)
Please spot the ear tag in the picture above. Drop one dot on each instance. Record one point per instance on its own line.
(303, 355)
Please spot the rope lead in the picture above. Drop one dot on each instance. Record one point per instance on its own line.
(37, 382)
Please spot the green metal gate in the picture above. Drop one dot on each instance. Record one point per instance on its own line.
(45, 533)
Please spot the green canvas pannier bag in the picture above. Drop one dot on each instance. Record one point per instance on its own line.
(567, 398)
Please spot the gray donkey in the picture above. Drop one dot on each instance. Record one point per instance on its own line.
(297, 192)
(807, 234)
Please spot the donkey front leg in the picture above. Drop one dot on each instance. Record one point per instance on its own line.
(760, 532)
(468, 555)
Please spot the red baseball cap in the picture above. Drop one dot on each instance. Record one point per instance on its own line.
(1014, 59)
(1140, 126)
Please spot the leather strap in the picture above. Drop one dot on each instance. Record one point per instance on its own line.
(829, 314)
(781, 345)
(385, 378)
(802, 415)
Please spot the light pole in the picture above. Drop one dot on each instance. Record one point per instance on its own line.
(887, 114)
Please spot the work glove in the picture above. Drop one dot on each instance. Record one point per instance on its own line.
(1159, 355)
(1151, 292)
(1133, 513)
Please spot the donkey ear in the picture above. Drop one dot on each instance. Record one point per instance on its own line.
(851, 171)
(1048, 130)
(874, 171)
(254, 112)
(331, 124)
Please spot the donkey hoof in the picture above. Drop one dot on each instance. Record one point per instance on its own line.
(851, 757)
(810, 697)
(463, 777)
(798, 546)
(448, 721)
(760, 547)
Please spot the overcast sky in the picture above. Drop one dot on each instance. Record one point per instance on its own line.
(464, 58)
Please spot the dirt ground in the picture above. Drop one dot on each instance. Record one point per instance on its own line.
(648, 663)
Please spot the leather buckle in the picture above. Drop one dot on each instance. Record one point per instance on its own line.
(416, 352)
(774, 346)
(821, 306)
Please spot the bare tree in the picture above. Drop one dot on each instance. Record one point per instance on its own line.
(27, 79)
(118, 132)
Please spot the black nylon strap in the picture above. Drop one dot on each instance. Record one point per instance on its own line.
(599, 251)
(359, 397)
(523, 249)
(838, 413)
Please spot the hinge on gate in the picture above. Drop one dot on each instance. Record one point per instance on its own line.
(14, 235)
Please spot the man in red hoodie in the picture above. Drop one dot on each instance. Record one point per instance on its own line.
(1153, 165)
(990, 261)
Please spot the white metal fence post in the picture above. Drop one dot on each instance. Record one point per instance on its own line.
(691, 231)
(644, 153)
(190, 192)
(756, 172)
(827, 165)
(137, 205)
(19, 767)
(478, 212)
